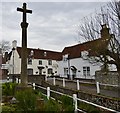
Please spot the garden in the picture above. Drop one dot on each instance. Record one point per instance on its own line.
(29, 101)
(32, 101)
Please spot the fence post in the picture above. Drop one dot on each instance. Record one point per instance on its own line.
(34, 86)
(46, 78)
(98, 87)
(63, 82)
(53, 80)
(16, 80)
(7, 79)
(78, 85)
(19, 80)
(48, 93)
(75, 102)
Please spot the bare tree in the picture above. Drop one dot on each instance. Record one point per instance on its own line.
(104, 29)
(4, 46)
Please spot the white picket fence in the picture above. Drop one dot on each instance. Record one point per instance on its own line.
(78, 83)
(74, 97)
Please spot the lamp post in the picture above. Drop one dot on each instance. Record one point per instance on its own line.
(13, 77)
(68, 58)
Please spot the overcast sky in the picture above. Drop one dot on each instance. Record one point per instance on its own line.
(52, 25)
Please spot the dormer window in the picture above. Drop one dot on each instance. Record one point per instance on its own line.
(65, 57)
(32, 53)
(45, 54)
(84, 54)
(30, 61)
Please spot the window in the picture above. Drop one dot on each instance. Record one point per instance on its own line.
(49, 62)
(30, 61)
(30, 71)
(65, 57)
(86, 71)
(45, 54)
(65, 71)
(50, 71)
(40, 62)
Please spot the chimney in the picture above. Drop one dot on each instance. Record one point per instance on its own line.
(105, 32)
(14, 44)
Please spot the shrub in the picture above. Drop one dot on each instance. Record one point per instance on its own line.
(8, 89)
(9, 108)
(52, 106)
(67, 103)
(26, 101)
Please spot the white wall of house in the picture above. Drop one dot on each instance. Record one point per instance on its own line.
(16, 61)
(79, 63)
(35, 65)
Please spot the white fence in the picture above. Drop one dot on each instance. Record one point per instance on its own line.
(75, 99)
(64, 81)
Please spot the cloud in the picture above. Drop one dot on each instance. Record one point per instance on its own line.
(52, 25)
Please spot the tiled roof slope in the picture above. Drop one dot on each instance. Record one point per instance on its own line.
(94, 47)
(40, 54)
(75, 51)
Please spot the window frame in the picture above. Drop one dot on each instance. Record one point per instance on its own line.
(49, 62)
(86, 71)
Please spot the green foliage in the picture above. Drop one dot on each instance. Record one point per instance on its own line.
(67, 103)
(52, 106)
(40, 94)
(26, 100)
(10, 108)
(89, 108)
(8, 89)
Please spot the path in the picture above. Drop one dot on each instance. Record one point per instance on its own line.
(84, 87)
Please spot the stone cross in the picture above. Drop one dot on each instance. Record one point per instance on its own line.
(24, 25)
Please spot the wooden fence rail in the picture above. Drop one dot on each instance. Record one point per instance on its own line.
(74, 97)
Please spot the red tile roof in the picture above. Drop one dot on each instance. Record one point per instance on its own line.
(40, 54)
(75, 51)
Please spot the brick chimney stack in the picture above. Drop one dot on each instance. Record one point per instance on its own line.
(105, 32)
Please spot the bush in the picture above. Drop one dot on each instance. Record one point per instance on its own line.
(52, 106)
(8, 89)
(26, 101)
(9, 108)
(67, 103)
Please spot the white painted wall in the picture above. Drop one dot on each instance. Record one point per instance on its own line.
(34, 66)
(16, 69)
(79, 63)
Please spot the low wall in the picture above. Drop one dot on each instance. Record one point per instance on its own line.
(111, 103)
(107, 78)
(31, 78)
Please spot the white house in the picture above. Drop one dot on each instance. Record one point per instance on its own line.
(75, 63)
(71, 62)
(39, 61)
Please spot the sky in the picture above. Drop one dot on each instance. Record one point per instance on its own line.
(52, 25)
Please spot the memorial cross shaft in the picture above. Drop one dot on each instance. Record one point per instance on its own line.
(24, 25)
